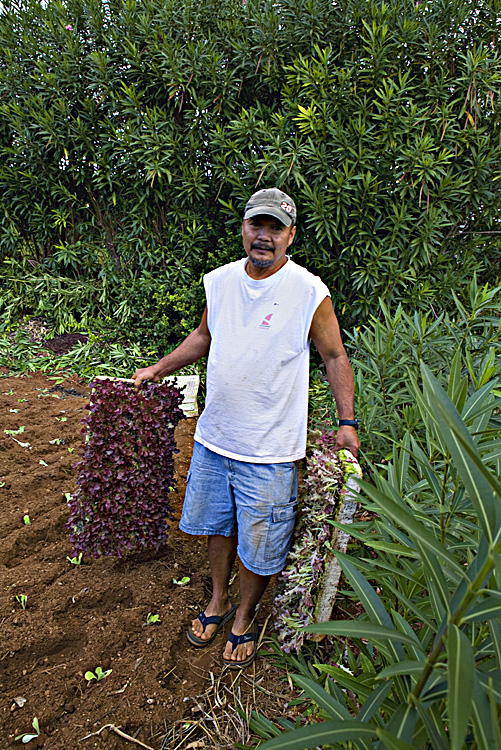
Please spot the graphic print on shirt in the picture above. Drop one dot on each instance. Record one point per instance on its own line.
(266, 321)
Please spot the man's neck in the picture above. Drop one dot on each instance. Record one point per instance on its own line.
(258, 274)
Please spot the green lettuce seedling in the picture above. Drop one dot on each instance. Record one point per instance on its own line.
(26, 520)
(76, 560)
(15, 432)
(151, 619)
(28, 736)
(97, 675)
(23, 600)
(182, 581)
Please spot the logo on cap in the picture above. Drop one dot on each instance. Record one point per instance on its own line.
(286, 207)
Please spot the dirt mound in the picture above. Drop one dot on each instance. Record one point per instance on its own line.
(63, 343)
(80, 617)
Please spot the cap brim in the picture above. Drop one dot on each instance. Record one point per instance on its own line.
(282, 216)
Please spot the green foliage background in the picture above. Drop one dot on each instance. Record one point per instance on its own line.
(132, 132)
(130, 142)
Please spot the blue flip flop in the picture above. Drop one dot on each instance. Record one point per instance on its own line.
(235, 641)
(211, 620)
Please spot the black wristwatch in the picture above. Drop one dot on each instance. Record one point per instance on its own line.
(349, 423)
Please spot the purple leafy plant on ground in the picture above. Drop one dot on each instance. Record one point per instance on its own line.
(126, 471)
(298, 585)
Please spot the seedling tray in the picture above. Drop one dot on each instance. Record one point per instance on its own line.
(187, 385)
(307, 588)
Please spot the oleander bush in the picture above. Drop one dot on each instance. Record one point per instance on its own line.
(420, 669)
(132, 133)
(386, 354)
(126, 470)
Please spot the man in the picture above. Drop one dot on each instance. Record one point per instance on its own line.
(241, 491)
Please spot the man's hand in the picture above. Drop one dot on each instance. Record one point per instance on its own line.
(146, 373)
(347, 437)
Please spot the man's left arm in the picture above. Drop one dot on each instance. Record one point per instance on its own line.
(326, 336)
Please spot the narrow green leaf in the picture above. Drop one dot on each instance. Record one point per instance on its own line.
(454, 374)
(401, 571)
(323, 733)
(491, 682)
(391, 742)
(395, 549)
(460, 688)
(482, 720)
(322, 698)
(457, 438)
(497, 567)
(412, 606)
(495, 629)
(426, 468)
(401, 462)
(375, 700)
(403, 722)
(473, 407)
(435, 689)
(402, 625)
(488, 609)
(434, 725)
(262, 726)
(491, 488)
(360, 629)
(348, 682)
(372, 604)
(436, 580)
(416, 530)
(461, 394)
(408, 666)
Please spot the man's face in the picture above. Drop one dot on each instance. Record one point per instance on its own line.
(266, 241)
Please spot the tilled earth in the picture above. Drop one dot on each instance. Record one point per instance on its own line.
(80, 617)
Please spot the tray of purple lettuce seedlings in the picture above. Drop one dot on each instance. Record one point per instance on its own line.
(126, 470)
(300, 587)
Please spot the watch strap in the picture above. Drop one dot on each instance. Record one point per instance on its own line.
(349, 423)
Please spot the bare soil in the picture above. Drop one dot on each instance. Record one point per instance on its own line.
(79, 617)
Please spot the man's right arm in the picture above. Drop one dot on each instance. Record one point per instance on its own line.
(194, 347)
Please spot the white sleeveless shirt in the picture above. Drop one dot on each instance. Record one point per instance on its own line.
(256, 408)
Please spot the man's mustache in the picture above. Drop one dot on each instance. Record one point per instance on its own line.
(261, 246)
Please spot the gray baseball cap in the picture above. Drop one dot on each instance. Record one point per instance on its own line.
(271, 202)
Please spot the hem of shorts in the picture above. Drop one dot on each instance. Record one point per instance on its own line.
(250, 459)
(206, 532)
(268, 571)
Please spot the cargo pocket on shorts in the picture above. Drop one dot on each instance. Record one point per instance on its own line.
(281, 526)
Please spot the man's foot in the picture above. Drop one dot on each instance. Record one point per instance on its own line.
(208, 624)
(241, 649)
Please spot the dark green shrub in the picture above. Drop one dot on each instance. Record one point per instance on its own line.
(131, 136)
(421, 667)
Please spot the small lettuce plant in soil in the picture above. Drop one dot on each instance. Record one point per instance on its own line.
(126, 469)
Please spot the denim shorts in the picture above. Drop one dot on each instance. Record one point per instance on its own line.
(256, 502)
